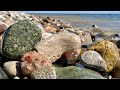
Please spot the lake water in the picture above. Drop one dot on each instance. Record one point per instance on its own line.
(105, 21)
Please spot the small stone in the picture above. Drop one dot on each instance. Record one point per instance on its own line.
(16, 77)
(12, 68)
(86, 38)
(69, 57)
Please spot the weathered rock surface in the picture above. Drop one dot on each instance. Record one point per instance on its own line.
(33, 61)
(12, 68)
(108, 51)
(54, 46)
(93, 59)
(44, 73)
(85, 38)
(73, 72)
(20, 38)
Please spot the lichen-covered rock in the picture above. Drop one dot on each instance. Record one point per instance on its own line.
(93, 59)
(108, 51)
(44, 73)
(55, 45)
(20, 38)
(32, 61)
(73, 72)
(12, 68)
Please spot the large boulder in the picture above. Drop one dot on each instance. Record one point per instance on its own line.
(73, 72)
(20, 38)
(53, 47)
(108, 51)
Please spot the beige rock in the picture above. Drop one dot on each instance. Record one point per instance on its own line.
(12, 68)
(85, 38)
(54, 46)
(9, 21)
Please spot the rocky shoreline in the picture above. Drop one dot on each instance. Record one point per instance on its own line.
(36, 47)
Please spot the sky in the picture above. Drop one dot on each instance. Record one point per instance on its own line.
(73, 12)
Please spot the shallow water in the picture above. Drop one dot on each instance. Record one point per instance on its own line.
(105, 21)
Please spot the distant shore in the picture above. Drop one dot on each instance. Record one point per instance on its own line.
(79, 21)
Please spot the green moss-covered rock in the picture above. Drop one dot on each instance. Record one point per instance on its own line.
(20, 38)
(73, 72)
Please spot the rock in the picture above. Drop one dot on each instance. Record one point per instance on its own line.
(12, 68)
(20, 38)
(85, 38)
(108, 51)
(68, 57)
(53, 47)
(48, 20)
(3, 27)
(50, 28)
(32, 61)
(9, 21)
(46, 35)
(44, 73)
(3, 75)
(73, 72)
(0, 43)
(96, 29)
(70, 30)
(118, 43)
(79, 65)
(116, 71)
(93, 59)
(94, 26)
(16, 77)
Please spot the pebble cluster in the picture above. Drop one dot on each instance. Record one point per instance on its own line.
(37, 47)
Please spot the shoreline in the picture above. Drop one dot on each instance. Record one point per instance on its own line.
(78, 21)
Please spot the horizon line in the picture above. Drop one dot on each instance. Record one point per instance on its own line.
(72, 12)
